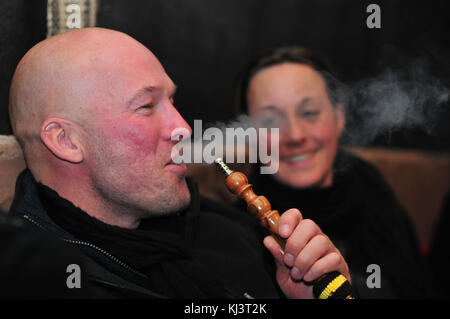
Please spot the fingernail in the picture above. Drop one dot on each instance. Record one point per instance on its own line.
(296, 273)
(308, 276)
(284, 230)
(289, 260)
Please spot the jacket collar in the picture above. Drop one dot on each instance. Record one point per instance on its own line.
(104, 269)
(26, 204)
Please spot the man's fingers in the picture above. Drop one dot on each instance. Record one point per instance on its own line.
(299, 238)
(274, 248)
(288, 221)
(316, 248)
(323, 266)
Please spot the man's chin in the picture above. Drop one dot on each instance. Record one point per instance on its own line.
(184, 200)
(179, 199)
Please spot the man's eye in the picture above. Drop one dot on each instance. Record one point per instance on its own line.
(146, 106)
(146, 109)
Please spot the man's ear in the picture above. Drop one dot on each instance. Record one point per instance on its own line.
(340, 117)
(61, 138)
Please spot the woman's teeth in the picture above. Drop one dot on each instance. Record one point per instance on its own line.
(297, 158)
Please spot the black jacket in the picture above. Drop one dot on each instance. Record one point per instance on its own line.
(31, 260)
(228, 238)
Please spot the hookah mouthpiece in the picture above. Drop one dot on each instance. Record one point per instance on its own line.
(223, 166)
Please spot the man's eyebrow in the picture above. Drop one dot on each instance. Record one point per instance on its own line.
(139, 93)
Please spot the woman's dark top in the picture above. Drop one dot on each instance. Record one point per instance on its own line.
(362, 217)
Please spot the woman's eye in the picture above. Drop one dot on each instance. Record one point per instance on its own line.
(269, 122)
(309, 114)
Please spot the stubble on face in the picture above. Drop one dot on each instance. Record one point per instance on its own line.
(128, 149)
(128, 171)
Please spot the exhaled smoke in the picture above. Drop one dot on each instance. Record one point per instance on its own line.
(237, 141)
(242, 121)
(394, 100)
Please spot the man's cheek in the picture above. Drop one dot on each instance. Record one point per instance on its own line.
(138, 140)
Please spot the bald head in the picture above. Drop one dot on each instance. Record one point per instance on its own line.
(70, 77)
(60, 77)
(95, 107)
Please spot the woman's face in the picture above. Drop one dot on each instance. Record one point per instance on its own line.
(293, 97)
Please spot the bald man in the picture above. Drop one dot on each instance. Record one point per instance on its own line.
(93, 110)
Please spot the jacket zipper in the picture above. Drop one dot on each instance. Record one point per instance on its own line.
(115, 259)
(77, 242)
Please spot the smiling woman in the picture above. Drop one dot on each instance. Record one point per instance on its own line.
(296, 91)
(293, 89)
(310, 125)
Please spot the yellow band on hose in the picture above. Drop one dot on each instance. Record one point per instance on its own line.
(332, 287)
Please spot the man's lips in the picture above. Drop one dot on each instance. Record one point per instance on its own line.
(176, 158)
(178, 168)
(175, 161)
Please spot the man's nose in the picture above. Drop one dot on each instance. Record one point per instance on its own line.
(177, 128)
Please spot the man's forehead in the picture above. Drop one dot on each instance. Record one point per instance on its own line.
(92, 53)
(128, 71)
(85, 71)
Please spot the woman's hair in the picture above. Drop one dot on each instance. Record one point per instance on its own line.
(293, 54)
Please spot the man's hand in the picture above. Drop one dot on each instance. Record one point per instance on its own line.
(308, 255)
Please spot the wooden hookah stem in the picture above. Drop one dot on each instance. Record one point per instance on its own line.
(257, 206)
(330, 286)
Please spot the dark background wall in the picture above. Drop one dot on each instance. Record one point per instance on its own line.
(203, 45)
